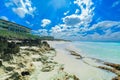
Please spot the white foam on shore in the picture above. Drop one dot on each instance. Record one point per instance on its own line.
(78, 67)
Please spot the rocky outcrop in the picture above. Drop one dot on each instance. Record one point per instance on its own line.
(62, 75)
(116, 78)
(1, 63)
(110, 69)
(25, 73)
(20, 65)
(116, 66)
(47, 67)
(78, 56)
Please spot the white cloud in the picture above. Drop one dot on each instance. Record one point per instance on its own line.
(21, 7)
(105, 25)
(63, 31)
(4, 17)
(27, 22)
(72, 20)
(82, 19)
(58, 28)
(76, 33)
(45, 22)
(108, 36)
(116, 3)
(20, 11)
(77, 11)
(75, 23)
(65, 13)
(77, 26)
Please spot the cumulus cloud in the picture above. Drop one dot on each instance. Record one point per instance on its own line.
(105, 25)
(45, 22)
(108, 27)
(65, 13)
(77, 11)
(58, 28)
(27, 22)
(116, 3)
(82, 19)
(76, 33)
(4, 17)
(72, 20)
(108, 36)
(77, 26)
(86, 10)
(21, 7)
(75, 23)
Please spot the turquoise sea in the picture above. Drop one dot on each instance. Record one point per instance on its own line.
(107, 51)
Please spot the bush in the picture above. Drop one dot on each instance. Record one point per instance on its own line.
(31, 42)
(7, 49)
(12, 48)
(3, 45)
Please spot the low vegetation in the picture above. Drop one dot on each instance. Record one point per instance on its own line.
(15, 35)
(7, 49)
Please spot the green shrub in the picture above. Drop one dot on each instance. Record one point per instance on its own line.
(12, 48)
(3, 45)
(8, 49)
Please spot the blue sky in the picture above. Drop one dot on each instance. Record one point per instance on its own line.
(91, 20)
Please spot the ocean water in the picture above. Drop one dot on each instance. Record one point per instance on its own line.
(107, 51)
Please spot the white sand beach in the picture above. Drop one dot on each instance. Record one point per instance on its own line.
(60, 61)
(76, 66)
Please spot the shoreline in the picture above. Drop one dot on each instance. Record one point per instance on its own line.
(74, 63)
(59, 60)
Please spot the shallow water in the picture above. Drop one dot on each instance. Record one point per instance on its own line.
(107, 51)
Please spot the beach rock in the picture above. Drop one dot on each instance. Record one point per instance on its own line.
(44, 59)
(14, 76)
(62, 75)
(116, 78)
(72, 77)
(47, 68)
(24, 73)
(44, 43)
(117, 72)
(78, 56)
(9, 68)
(116, 66)
(1, 63)
(21, 65)
(36, 59)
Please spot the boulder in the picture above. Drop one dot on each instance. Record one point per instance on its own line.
(25, 73)
(116, 78)
(1, 63)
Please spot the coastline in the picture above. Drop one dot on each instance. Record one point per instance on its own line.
(76, 66)
(59, 60)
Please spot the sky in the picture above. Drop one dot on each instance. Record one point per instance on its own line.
(86, 20)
